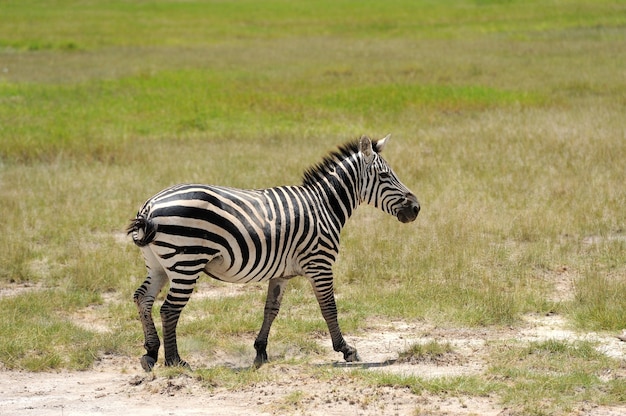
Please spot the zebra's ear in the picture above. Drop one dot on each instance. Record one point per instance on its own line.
(365, 147)
(382, 142)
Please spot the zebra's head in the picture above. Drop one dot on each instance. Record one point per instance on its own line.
(381, 187)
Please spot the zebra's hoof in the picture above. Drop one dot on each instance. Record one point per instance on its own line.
(178, 363)
(351, 355)
(260, 360)
(147, 363)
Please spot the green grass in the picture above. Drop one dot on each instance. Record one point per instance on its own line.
(39, 332)
(544, 378)
(507, 122)
(75, 120)
(561, 372)
(597, 304)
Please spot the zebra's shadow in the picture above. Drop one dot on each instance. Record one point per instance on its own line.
(336, 364)
(359, 364)
(238, 368)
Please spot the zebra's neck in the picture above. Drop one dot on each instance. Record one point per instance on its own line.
(337, 187)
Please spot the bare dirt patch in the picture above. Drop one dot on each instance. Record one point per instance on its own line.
(118, 386)
(14, 289)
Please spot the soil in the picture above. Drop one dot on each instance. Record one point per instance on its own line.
(118, 385)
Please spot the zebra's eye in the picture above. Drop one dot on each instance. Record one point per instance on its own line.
(384, 175)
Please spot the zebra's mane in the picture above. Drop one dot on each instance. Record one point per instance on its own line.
(328, 164)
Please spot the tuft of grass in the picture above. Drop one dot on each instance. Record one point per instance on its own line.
(430, 351)
(600, 299)
(229, 378)
(457, 385)
(294, 399)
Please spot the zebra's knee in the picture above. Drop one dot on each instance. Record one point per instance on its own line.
(167, 309)
(170, 313)
(139, 295)
(143, 296)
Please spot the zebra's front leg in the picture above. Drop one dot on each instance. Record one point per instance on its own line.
(275, 291)
(323, 287)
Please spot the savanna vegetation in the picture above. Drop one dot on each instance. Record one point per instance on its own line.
(507, 120)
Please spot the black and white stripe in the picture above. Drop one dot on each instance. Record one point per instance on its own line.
(243, 236)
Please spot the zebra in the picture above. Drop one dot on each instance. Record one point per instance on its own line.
(273, 234)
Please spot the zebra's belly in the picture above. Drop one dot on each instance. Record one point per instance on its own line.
(217, 269)
(233, 263)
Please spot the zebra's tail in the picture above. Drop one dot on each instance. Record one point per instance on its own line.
(142, 229)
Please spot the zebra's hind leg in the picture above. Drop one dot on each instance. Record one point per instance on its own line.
(275, 291)
(144, 299)
(178, 295)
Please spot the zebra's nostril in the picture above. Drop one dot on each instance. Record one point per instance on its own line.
(416, 209)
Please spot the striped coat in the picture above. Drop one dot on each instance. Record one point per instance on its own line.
(243, 236)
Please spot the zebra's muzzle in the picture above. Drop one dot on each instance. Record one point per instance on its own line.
(409, 210)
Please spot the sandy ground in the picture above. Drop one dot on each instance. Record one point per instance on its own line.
(117, 385)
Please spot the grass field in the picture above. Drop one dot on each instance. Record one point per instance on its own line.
(507, 120)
